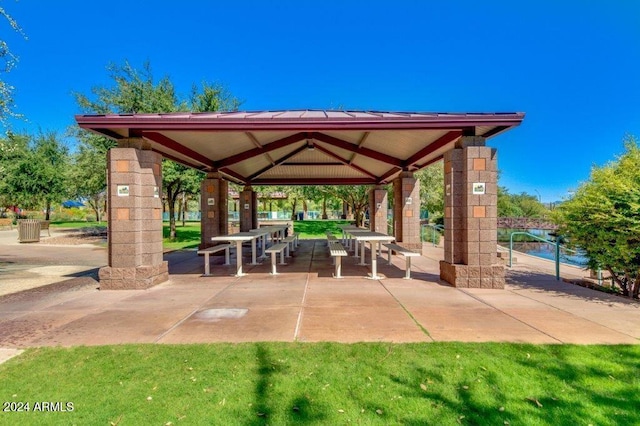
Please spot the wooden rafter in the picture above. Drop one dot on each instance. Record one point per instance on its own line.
(288, 140)
(314, 181)
(431, 148)
(353, 148)
(257, 143)
(277, 162)
(392, 171)
(361, 142)
(345, 161)
(167, 142)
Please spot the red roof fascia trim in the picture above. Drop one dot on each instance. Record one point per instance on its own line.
(195, 123)
(175, 146)
(432, 147)
(354, 148)
(345, 161)
(288, 140)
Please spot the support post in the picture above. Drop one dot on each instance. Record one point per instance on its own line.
(248, 209)
(378, 209)
(470, 240)
(214, 218)
(135, 218)
(406, 211)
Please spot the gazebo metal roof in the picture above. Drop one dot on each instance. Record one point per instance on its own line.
(303, 147)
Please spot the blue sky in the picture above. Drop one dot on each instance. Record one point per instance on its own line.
(571, 66)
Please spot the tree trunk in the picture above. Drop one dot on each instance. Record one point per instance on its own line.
(305, 209)
(184, 208)
(293, 208)
(48, 209)
(324, 208)
(171, 201)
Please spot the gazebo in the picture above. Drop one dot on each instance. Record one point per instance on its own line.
(303, 147)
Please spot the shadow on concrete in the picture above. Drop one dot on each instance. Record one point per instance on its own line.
(546, 283)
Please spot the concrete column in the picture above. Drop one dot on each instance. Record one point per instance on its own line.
(135, 218)
(378, 209)
(471, 210)
(248, 209)
(213, 201)
(406, 211)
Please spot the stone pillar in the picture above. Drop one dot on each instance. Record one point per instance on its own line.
(214, 209)
(135, 218)
(406, 211)
(470, 216)
(378, 209)
(248, 209)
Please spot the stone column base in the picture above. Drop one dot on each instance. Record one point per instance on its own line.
(465, 276)
(133, 278)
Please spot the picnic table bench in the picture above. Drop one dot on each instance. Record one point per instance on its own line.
(408, 254)
(214, 249)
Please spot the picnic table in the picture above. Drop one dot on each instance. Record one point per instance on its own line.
(374, 239)
(239, 238)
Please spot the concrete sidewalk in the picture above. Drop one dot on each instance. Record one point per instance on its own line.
(304, 303)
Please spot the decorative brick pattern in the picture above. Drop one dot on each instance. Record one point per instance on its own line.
(248, 209)
(471, 219)
(135, 221)
(378, 209)
(406, 211)
(215, 215)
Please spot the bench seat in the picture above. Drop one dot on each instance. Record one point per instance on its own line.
(337, 252)
(408, 254)
(214, 249)
(274, 249)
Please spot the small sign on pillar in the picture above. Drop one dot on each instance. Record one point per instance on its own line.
(479, 188)
(211, 201)
(123, 190)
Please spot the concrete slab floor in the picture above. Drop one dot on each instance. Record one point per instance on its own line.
(305, 303)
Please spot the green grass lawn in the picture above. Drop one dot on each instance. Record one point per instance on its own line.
(327, 383)
(318, 228)
(78, 224)
(187, 236)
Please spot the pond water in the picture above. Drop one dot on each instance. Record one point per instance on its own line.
(540, 249)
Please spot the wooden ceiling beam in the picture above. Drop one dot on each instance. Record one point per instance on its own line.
(431, 148)
(277, 162)
(354, 148)
(167, 142)
(345, 161)
(314, 181)
(392, 171)
(280, 143)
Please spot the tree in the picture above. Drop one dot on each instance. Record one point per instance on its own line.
(89, 172)
(7, 62)
(136, 91)
(13, 150)
(357, 197)
(35, 170)
(519, 205)
(432, 189)
(603, 219)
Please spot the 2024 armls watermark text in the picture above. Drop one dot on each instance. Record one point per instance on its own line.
(37, 406)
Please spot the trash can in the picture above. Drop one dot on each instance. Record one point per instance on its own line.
(29, 230)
